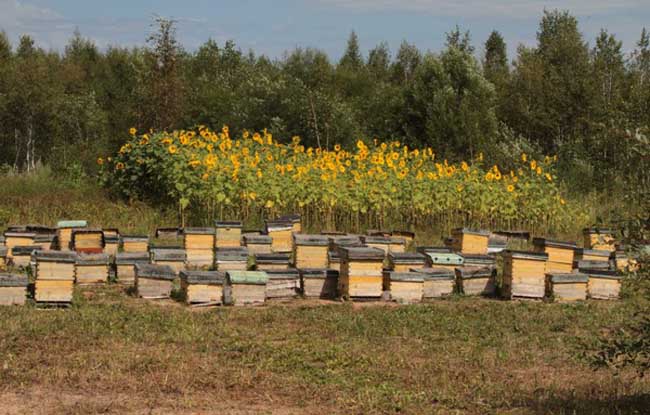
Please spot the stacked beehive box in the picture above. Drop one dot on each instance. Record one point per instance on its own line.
(319, 282)
(88, 241)
(621, 261)
(264, 262)
(154, 281)
(476, 281)
(199, 246)
(603, 284)
(378, 242)
(599, 239)
(3, 258)
(258, 244)
(599, 265)
(560, 254)
(361, 272)
(438, 282)
(583, 254)
(45, 241)
(247, 287)
(310, 251)
(228, 234)
(479, 261)
(524, 274)
(111, 241)
(64, 232)
(340, 241)
(567, 287)
(203, 287)
(173, 257)
(169, 234)
(441, 258)
(15, 238)
(407, 236)
(134, 243)
(334, 260)
(232, 259)
(21, 256)
(92, 269)
(282, 284)
(397, 244)
(13, 289)
(295, 220)
(280, 233)
(55, 274)
(404, 261)
(470, 241)
(404, 287)
(125, 266)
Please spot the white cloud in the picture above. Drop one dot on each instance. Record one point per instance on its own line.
(16, 14)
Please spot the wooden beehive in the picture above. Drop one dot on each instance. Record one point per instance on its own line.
(45, 241)
(13, 289)
(92, 269)
(560, 254)
(134, 243)
(603, 284)
(232, 259)
(281, 235)
(582, 254)
(407, 236)
(621, 261)
(295, 220)
(340, 241)
(334, 260)
(384, 233)
(310, 251)
(247, 287)
(3, 258)
(21, 256)
(524, 274)
(55, 274)
(397, 244)
(228, 234)
(442, 258)
(378, 242)
(173, 257)
(476, 281)
(111, 241)
(88, 241)
(479, 261)
(199, 246)
(600, 265)
(599, 239)
(361, 272)
(125, 266)
(15, 238)
(438, 282)
(567, 287)
(470, 241)
(319, 283)
(154, 281)
(168, 233)
(282, 284)
(265, 262)
(203, 287)
(404, 261)
(258, 244)
(404, 287)
(64, 231)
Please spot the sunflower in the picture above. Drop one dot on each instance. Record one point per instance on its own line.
(100, 161)
(337, 147)
(511, 188)
(132, 131)
(119, 166)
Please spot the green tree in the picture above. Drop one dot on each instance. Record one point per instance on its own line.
(352, 59)
(406, 62)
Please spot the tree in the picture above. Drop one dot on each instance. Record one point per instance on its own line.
(609, 76)
(460, 41)
(495, 62)
(352, 59)
(639, 89)
(406, 62)
(379, 61)
(5, 47)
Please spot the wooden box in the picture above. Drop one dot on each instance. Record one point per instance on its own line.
(199, 246)
(258, 244)
(476, 281)
(282, 284)
(3, 258)
(53, 291)
(361, 272)
(378, 242)
(403, 261)
(442, 258)
(438, 282)
(55, 274)
(599, 265)
(232, 259)
(168, 233)
(13, 289)
(228, 234)
(582, 254)
(45, 241)
(524, 274)
(173, 257)
(319, 282)
(340, 241)
(621, 261)
(599, 239)
(603, 284)
(334, 261)
(295, 220)
(479, 261)
(88, 241)
(203, 287)
(567, 287)
(92, 269)
(281, 235)
(64, 232)
(560, 254)
(265, 262)
(310, 251)
(154, 281)
(125, 266)
(470, 241)
(134, 243)
(404, 287)
(247, 287)
(407, 236)
(13, 239)
(21, 256)
(397, 245)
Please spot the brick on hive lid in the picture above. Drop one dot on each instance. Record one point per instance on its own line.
(567, 286)
(476, 281)
(280, 232)
(603, 284)
(203, 287)
(228, 233)
(154, 281)
(271, 261)
(438, 282)
(361, 272)
(319, 282)
(404, 261)
(247, 287)
(13, 289)
(560, 254)
(524, 274)
(92, 269)
(232, 258)
(404, 286)
(310, 251)
(257, 244)
(282, 284)
(470, 241)
(125, 265)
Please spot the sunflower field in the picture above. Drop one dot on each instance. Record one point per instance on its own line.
(211, 174)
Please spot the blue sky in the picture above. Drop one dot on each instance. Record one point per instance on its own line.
(274, 26)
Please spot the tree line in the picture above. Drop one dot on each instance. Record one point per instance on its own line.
(588, 103)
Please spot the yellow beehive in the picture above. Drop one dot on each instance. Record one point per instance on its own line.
(13, 289)
(281, 235)
(319, 282)
(334, 261)
(21, 256)
(622, 262)
(13, 239)
(438, 282)
(404, 262)
(90, 241)
(64, 232)
(524, 274)
(154, 281)
(125, 266)
(264, 262)
(203, 287)
(560, 254)
(567, 287)
(92, 269)
(340, 241)
(404, 287)
(134, 243)
(310, 251)
(55, 275)
(407, 236)
(603, 284)
(173, 257)
(591, 255)
(258, 244)
(3, 258)
(199, 247)
(378, 242)
(231, 259)
(45, 241)
(228, 234)
(599, 239)
(361, 272)
(476, 281)
(470, 241)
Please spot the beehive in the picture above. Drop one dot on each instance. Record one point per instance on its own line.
(310, 251)
(438, 282)
(203, 287)
(111, 241)
(282, 284)
(524, 274)
(14, 238)
(125, 266)
(199, 246)
(403, 261)
(404, 287)
(231, 259)
(470, 241)
(173, 257)
(64, 232)
(319, 282)
(295, 220)
(227, 234)
(330, 232)
(21, 256)
(45, 241)
(379, 232)
(339, 241)
(334, 260)
(2, 240)
(55, 274)
(600, 265)
(13, 289)
(479, 261)
(560, 254)
(442, 258)
(582, 254)
(397, 244)
(567, 287)
(88, 241)
(603, 284)
(623, 262)
(280, 233)
(379, 242)
(265, 262)
(599, 239)
(3, 258)
(91, 269)
(247, 287)
(361, 272)
(41, 229)
(168, 233)
(407, 236)
(258, 244)
(496, 243)
(154, 281)
(476, 281)
(134, 243)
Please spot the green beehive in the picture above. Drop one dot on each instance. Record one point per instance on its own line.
(247, 287)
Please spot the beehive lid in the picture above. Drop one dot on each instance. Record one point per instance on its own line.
(203, 277)
(406, 276)
(62, 224)
(568, 278)
(407, 234)
(134, 238)
(227, 224)
(283, 274)
(435, 273)
(433, 249)
(514, 234)
(593, 252)
(551, 243)
(92, 259)
(40, 229)
(247, 277)
(469, 231)
(318, 273)
(278, 225)
(55, 256)
(3, 251)
(167, 232)
(17, 228)
(272, 258)
(591, 264)
(397, 241)
(168, 254)
(310, 240)
(293, 218)
(597, 230)
(232, 254)
(531, 256)
(13, 280)
(601, 274)
(198, 231)
(258, 239)
(17, 234)
(159, 272)
(445, 258)
(113, 239)
(130, 258)
(406, 257)
(378, 232)
(25, 249)
(378, 240)
(345, 240)
(353, 253)
(111, 231)
(474, 272)
(42, 238)
(332, 233)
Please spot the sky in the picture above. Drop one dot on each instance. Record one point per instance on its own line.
(272, 27)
